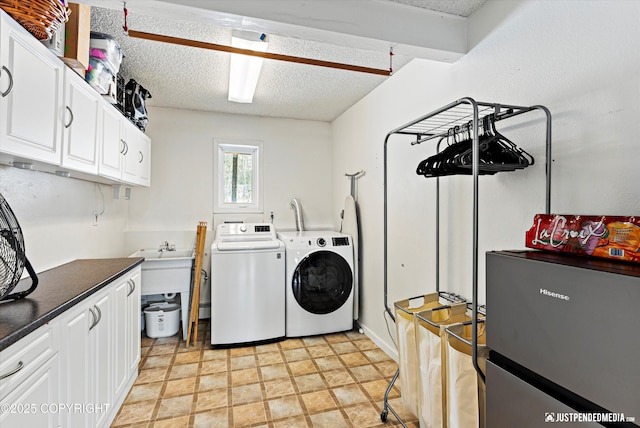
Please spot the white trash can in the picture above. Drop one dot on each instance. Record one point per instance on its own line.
(162, 319)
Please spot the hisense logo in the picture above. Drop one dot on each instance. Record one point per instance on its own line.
(546, 292)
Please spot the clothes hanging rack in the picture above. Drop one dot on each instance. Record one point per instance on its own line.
(464, 112)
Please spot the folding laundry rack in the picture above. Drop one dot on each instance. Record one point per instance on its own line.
(464, 112)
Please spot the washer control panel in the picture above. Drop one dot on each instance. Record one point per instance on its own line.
(314, 240)
(238, 230)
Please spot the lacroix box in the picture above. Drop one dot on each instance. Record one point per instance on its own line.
(613, 237)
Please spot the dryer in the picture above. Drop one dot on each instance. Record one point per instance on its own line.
(319, 282)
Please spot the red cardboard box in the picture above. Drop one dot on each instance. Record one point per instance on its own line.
(613, 237)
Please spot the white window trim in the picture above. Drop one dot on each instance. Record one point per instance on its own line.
(255, 147)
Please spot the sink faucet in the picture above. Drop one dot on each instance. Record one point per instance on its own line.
(166, 247)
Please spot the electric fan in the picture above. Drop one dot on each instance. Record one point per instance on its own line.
(12, 256)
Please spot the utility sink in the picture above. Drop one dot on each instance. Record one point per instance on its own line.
(157, 254)
(166, 272)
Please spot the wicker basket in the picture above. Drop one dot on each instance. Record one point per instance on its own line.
(40, 17)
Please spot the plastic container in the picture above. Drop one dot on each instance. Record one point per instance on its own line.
(162, 319)
(106, 49)
(99, 76)
(56, 43)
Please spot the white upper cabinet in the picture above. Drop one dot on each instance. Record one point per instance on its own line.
(125, 152)
(50, 115)
(112, 147)
(137, 156)
(31, 97)
(81, 124)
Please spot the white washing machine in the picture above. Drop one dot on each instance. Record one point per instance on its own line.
(319, 282)
(247, 285)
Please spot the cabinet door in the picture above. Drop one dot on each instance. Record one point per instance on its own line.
(102, 358)
(86, 357)
(76, 362)
(35, 402)
(137, 163)
(134, 317)
(30, 95)
(80, 127)
(127, 332)
(112, 148)
(144, 161)
(121, 337)
(23, 358)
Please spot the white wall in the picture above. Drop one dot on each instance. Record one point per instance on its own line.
(56, 216)
(297, 163)
(579, 59)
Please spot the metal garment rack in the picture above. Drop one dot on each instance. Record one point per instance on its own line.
(464, 112)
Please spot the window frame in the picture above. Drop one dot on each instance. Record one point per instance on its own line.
(253, 147)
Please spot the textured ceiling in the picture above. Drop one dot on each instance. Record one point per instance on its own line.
(454, 7)
(197, 79)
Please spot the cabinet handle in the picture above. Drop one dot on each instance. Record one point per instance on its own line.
(141, 157)
(70, 117)
(125, 147)
(132, 287)
(93, 315)
(95, 319)
(99, 314)
(5, 93)
(14, 371)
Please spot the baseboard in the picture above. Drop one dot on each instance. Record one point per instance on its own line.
(386, 345)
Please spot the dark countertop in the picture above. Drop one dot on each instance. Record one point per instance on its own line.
(58, 289)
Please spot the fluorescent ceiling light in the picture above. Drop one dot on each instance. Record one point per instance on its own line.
(245, 69)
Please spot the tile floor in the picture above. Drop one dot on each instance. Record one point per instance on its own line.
(335, 380)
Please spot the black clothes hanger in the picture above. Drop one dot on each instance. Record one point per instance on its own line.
(496, 153)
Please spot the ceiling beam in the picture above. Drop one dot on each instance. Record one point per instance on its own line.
(268, 55)
(364, 24)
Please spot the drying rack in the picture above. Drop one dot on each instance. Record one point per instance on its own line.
(462, 113)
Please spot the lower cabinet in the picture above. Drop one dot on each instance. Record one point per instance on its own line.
(101, 349)
(35, 402)
(86, 372)
(126, 335)
(29, 380)
(76, 370)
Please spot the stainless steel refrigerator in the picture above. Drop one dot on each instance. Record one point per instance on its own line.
(564, 334)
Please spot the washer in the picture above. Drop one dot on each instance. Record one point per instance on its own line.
(247, 285)
(319, 282)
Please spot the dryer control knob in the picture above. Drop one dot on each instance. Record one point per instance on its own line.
(243, 228)
(321, 242)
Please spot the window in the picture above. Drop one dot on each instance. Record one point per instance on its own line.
(238, 176)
